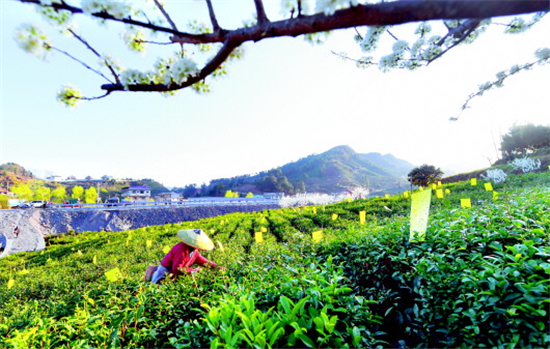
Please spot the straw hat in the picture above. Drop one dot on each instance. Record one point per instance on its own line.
(196, 238)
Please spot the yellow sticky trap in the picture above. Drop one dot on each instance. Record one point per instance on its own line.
(166, 249)
(439, 183)
(473, 181)
(434, 186)
(220, 245)
(387, 195)
(465, 202)
(149, 243)
(127, 242)
(420, 210)
(488, 186)
(113, 274)
(259, 236)
(94, 260)
(317, 235)
(406, 194)
(495, 195)
(439, 193)
(11, 282)
(315, 210)
(362, 216)
(349, 199)
(334, 216)
(263, 229)
(447, 191)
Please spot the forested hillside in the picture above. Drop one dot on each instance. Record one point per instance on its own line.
(336, 170)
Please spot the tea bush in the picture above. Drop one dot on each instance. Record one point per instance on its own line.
(481, 278)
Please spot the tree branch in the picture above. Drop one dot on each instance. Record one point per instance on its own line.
(161, 9)
(215, 26)
(379, 14)
(497, 83)
(385, 13)
(260, 11)
(79, 61)
(79, 38)
(208, 69)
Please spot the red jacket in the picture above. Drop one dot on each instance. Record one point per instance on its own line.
(178, 259)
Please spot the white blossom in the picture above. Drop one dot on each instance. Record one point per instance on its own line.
(514, 69)
(400, 46)
(69, 96)
(134, 76)
(423, 28)
(179, 71)
(33, 40)
(516, 25)
(496, 176)
(117, 8)
(109, 61)
(416, 46)
(134, 39)
(525, 164)
(431, 52)
(370, 41)
(323, 199)
(543, 53)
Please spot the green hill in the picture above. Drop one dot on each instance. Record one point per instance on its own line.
(336, 170)
(481, 278)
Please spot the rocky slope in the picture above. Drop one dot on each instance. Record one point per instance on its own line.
(24, 230)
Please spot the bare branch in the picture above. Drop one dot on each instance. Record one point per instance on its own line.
(260, 11)
(161, 8)
(111, 69)
(215, 26)
(81, 62)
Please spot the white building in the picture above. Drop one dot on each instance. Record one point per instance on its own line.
(136, 193)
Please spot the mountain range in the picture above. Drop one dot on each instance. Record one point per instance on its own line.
(336, 170)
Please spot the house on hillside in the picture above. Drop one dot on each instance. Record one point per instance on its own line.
(168, 197)
(136, 193)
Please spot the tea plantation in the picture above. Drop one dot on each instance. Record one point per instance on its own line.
(481, 278)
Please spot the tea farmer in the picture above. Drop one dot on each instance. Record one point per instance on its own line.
(184, 254)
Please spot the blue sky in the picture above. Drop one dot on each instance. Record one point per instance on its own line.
(285, 100)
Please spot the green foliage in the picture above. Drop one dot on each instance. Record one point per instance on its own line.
(522, 139)
(4, 201)
(90, 195)
(424, 175)
(77, 192)
(231, 194)
(59, 194)
(481, 278)
(23, 191)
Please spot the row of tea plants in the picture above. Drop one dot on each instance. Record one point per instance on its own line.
(481, 278)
